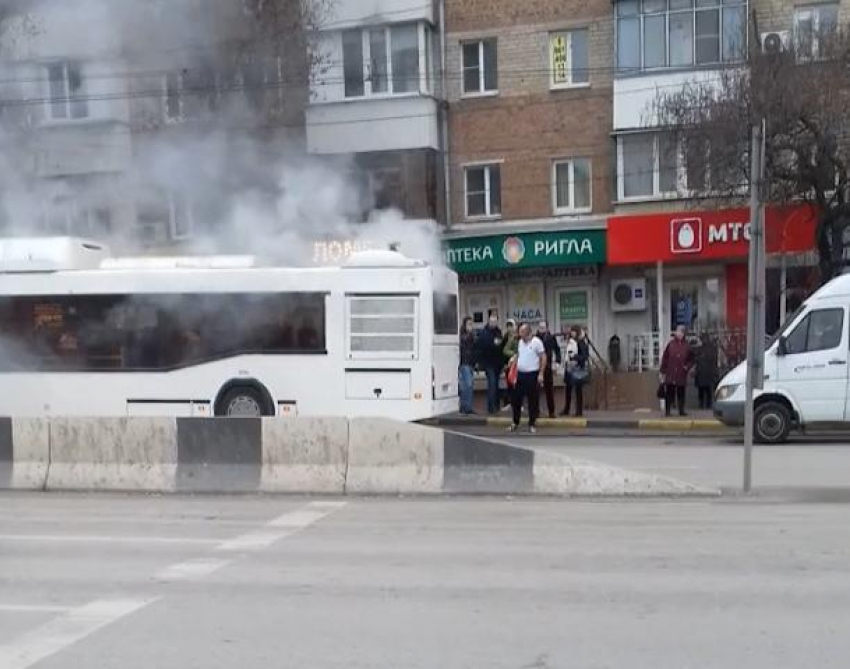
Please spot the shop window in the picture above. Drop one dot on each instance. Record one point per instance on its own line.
(483, 191)
(571, 186)
(480, 67)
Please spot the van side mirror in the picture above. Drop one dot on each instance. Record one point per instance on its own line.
(782, 347)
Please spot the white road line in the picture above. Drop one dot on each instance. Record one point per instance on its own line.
(289, 524)
(104, 539)
(254, 541)
(190, 570)
(32, 608)
(64, 631)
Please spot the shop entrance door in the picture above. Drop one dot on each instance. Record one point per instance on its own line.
(698, 305)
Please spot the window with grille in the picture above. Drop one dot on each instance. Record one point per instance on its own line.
(383, 326)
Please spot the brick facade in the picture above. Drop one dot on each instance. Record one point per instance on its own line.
(528, 125)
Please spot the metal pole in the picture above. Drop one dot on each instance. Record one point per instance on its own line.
(754, 302)
(444, 121)
(659, 290)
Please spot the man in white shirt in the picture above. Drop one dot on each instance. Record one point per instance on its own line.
(531, 364)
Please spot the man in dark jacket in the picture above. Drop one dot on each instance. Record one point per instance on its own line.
(553, 355)
(488, 354)
(707, 373)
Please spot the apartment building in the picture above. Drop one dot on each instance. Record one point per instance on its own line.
(686, 257)
(529, 89)
(119, 127)
(374, 101)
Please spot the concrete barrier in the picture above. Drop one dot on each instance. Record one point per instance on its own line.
(219, 455)
(556, 474)
(24, 453)
(299, 455)
(304, 455)
(386, 456)
(113, 454)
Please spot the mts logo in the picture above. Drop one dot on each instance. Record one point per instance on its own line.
(723, 233)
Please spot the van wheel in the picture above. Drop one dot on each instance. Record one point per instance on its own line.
(243, 402)
(772, 423)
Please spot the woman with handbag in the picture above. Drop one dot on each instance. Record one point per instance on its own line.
(576, 370)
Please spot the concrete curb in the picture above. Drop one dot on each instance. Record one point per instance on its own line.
(644, 424)
(299, 455)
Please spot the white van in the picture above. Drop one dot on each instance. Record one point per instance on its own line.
(805, 371)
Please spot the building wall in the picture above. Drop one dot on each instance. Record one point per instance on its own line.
(527, 124)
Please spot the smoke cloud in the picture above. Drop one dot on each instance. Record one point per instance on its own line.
(222, 168)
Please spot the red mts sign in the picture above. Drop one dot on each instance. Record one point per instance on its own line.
(707, 235)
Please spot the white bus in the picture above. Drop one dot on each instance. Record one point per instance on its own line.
(83, 334)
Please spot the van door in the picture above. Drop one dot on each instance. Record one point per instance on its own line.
(814, 370)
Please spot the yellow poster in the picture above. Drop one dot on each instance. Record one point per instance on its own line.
(560, 71)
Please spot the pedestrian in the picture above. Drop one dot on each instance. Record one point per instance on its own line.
(707, 372)
(676, 364)
(576, 370)
(467, 365)
(488, 355)
(553, 357)
(531, 363)
(509, 349)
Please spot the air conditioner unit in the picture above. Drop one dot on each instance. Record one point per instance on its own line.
(628, 295)
(775, 42)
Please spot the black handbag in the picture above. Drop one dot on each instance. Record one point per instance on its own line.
(662, 391)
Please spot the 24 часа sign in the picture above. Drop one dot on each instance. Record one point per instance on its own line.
(533, 249)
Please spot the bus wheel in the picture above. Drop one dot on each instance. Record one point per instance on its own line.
(242, 402)
(771, 423)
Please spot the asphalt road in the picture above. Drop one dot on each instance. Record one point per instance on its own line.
(815, 469)
(119, 582)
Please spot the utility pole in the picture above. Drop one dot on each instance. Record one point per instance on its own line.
(755, 301)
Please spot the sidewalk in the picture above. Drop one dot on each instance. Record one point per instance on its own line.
(607, 420)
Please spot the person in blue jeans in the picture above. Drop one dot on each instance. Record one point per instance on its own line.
(467, 364)
(488, 355)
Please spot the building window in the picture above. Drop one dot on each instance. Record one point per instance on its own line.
(191, 93)
(66, 91)
(483, 191)
(385, 60)
(813, 26)
(649, 165)
(181, 217)
(353, 63)
(653, 34)
(480, 67)
(571, 185)
(568, 56)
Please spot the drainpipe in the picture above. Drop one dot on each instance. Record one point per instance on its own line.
(444, 113)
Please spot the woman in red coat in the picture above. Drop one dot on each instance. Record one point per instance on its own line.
(676, 364)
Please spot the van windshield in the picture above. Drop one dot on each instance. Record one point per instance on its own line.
(786, 325)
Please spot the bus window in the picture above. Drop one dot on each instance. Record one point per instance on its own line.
(382, 327)
(156, 332)
(445, 314)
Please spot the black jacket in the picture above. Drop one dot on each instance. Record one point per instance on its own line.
(583, 355)
(553, 351)
(467, 349)
(706, 361)
(488, 348)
